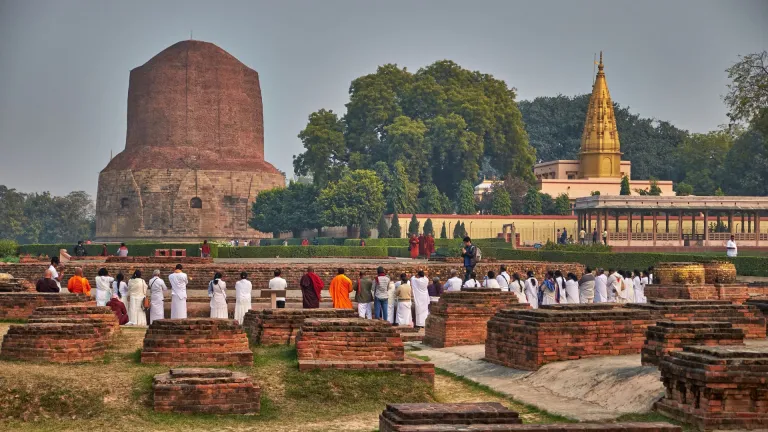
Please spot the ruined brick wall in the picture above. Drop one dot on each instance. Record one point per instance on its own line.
(209, 391)
(196, 342)
(21, 305)
(668, 336)
(280, 326)
(55, 342)
(195, 132)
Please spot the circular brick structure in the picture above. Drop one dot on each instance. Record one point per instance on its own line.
(72, 313)
(722, 272)
(54, 342)
(196, 342)
(202, 390)
(680, 273)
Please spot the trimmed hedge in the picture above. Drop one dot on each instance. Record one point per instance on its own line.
(300, 251)
(134, 249)
(745, 265)
(321, 241)
(403, 242)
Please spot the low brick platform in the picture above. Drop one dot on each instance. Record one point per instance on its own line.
(410, 334)
(668, 336)
(159, 260)
(488, 417)
(733, 292)
(280, 326)
(461, 317)
(209, 391)
(761, 304)
(356, 344)
(529, 339)
(54, 342)
(21, 305)
(77, 311)
(716, 387)
(196, 342)
(13, 285)
(745, 317)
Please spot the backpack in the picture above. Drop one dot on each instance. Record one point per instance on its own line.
(478, 254)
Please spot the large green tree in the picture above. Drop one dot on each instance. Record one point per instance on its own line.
(441, 123)
(501, 204)
(625, 190)
(268, 213)
(465, 199)
(357, 196)
(532, 205)
(46, 218)
(702, 157)
(747, 96)
(745, 169)
(432, 201)
(562, 205)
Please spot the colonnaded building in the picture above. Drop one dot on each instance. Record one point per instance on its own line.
(194, 150)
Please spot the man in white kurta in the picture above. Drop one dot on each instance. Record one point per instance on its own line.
(157, 288)
(503, 278)
(454, 283)
(730, 247)
(421, 300)
(179, 281)
(601, 287)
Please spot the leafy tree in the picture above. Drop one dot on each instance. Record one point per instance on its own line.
(433, 201)
(428, 228)
(357, 196)
(452, 117)
(501, 203)
(401, 192)
(747, 96)
(684, 189)
(517, 188)
(465, 199)
(532, 204)
(702, 157)
(595, 193)
(463, 231)
(443, 233)
(382, 227)
(625, 186)
(653, 189)
(563, 205)
(745, 170)
(413, 226)
(323, 139)
(394, 228)
(365, 228)
(268, 213)
(12, 220)
(300, 207)
(457, 230)
(547, 204)
(719, 192)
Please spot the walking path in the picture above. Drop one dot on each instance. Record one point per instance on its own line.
(593, 389)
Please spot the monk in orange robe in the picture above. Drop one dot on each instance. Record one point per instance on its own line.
(77, 284)
(339, 289)
(413, 242)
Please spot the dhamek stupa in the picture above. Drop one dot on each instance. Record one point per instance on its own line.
(194, 150)
(599, 167)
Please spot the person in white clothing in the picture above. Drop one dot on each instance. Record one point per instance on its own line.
(404, 294)
(532, 290)
(179, 281)
(640, 297)
(391, 302)
(650, 275)
(636, 286)
(103, 291)
(53, 268)
(628, 288)
(243, 289)
(420, 294)
(157, 289)
(614, 285)
(137, 292)
(518, 287)
(472, 282)
(120, 288)
(601, 286)
(730, 247)
(278, 283)
(560, 284)
(571, 289)
(491, 282)
(454, 283)
(217, 291)
(503, 278)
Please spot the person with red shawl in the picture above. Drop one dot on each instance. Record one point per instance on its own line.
(430, 244)
(422, 245)
(311, 287)
(413, 243)
(118, 308)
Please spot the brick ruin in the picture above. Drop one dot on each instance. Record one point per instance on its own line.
(74, 312)
(668, 336)
(529, 339)
(21, 305)
(196, 342)
(761, 304)
(280, 326)
(10, 284)
(208, 391)
(719, 272)
(194, 151)
(356, 344)
(714, 280)
(461, 317)
(716, 387)
(488, 417)
(55, 342)
(745, 317)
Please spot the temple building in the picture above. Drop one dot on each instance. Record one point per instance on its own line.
(599, 167)
(194, 151)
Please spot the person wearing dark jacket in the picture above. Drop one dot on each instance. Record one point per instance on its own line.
(469, 253)
(47, 284)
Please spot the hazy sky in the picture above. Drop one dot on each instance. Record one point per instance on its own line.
(64, 64)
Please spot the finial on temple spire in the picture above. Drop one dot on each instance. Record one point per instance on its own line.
(600, 65)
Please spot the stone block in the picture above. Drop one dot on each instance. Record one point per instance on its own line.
(668, 336)
(196, 342)
(280, 326)
(20, 305)
(208, 391)
(83, 311)
(54, 342)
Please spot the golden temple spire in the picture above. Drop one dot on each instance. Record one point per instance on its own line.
(600, 153)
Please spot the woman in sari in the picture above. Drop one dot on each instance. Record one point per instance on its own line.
(549, 292)
(243, 289)
(137, 292)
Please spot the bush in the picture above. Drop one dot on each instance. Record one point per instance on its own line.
(575, 247)
(8, 248)
(745, 265)
(301, 251)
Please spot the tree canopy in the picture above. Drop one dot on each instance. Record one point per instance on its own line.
(357, 196)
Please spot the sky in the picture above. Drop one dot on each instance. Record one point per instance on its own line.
(64, 64)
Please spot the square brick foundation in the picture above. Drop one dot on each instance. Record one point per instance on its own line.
(716, 387)
(461, 317)
(280, 326)
(356, 344)
(529, 339)
(55, 342)
(734, 292)
(761, 304)
(209, 391)
(22, 305)
(66, 313)
(196, 342)
(668, 336)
